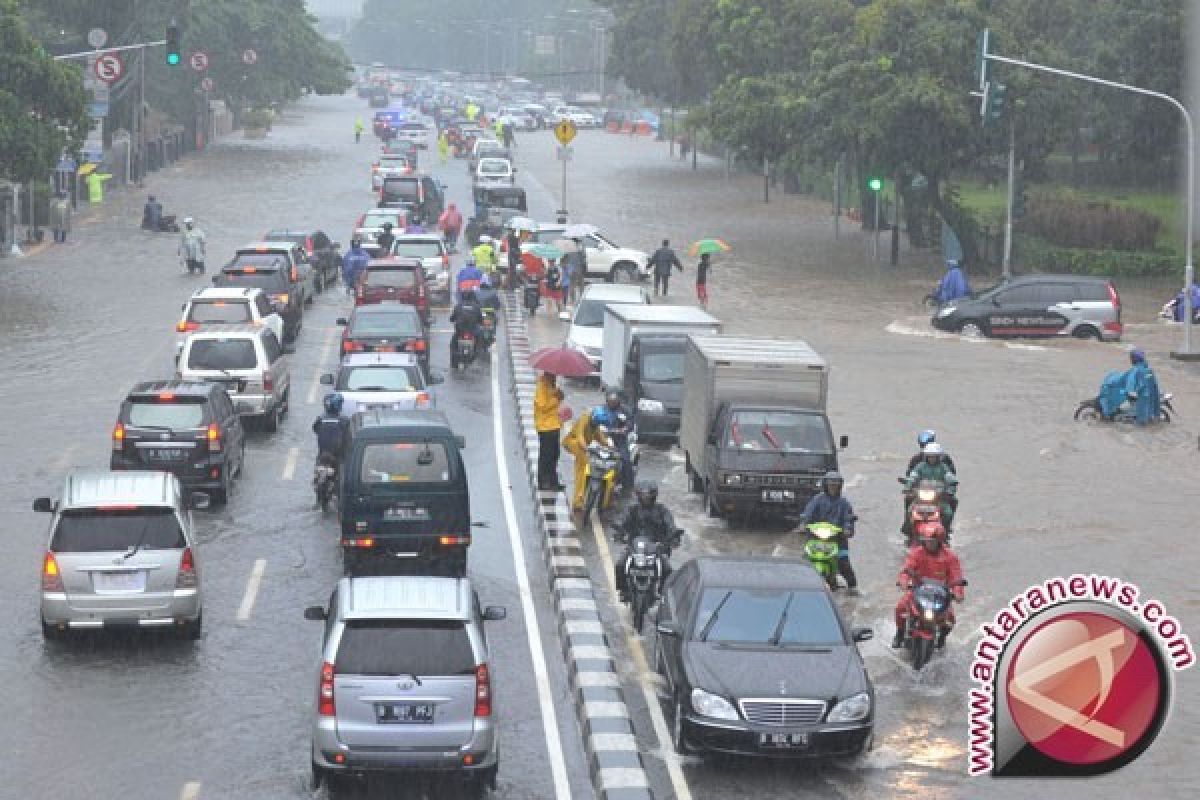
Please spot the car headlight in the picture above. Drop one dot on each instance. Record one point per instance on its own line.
(947, 311)
(650, 406)
(852, 709)
(712, 705)
(731, 479)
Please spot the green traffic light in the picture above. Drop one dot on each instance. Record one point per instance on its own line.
(173, 59)
(875, 184)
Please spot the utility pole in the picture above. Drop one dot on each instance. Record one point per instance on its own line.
(837, 199)
(895, 254)
(1012, 176)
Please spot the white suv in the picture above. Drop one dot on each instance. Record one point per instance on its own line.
(221, 307)
(249, 362)
(605, 258)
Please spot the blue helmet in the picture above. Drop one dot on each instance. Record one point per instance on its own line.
(602, 416)
(1137, 356)
(333, 403)
(926, 437)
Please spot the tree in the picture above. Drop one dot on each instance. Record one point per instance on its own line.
(42, 103)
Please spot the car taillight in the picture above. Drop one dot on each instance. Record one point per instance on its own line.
(281, 299)
(308, 245)
(417, 345)
(483, 692)
(295, 276)
(268, 383)
(455, 540)
(445, 260)
(325, 702)
(361, 217)
(186, 578)
(351, 346)
(1115, 298)
(184, 327)
(213, 434)
(51, 577)
(422, 399)
(118, 436)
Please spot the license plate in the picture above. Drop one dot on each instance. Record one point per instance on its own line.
(164, 454)
(778, 495)
(783, 739)
(386, 348)
(403, 713)
(406, 514)
(124, 581)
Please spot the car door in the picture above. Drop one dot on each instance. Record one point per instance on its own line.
(599, 258)
(231, 426)
(1059, 302)
(277, 363)
(1011, 310)
(674, 608)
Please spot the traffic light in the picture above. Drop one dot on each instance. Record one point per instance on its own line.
(875, 184)
(995, 102)
(173, 49)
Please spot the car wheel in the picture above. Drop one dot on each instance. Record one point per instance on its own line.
(271, 420)
(1087, 413)
(219, 497)
(660, 665)
(678, 737)
(318, 777)
(1086, 332)
(241, 467)
(52, 633)
(971, 327)
(285, 402)
(192, 630)
(624, 272)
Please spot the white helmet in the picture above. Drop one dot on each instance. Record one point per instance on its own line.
(485, 239)
(187, 220)
(932, 449)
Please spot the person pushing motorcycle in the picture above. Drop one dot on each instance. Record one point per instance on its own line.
(831, 507)
(590, 427)
(933, 560)
(646, 518)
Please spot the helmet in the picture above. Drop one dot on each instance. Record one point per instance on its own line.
(602, 416)
(333, 403)
(187, 220)
(612, 396)
(647, 492)
(1137, 356)
(932, 449)
(926, 437)
(485, 239)
(832, 476)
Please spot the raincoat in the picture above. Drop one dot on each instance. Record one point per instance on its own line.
(485, 256)
(953, 286)
(546, 401)
(95, 186)
(576, 441)
(60, 214)
(443, 147)
(353, 263)
(1179, 303)
(1137, 384)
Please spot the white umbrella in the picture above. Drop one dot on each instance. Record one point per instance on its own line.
(579, 230)
(566, 245)
(522, 224)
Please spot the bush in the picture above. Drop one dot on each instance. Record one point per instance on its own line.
(257, 118)
(1037, 255)
(1068, 221)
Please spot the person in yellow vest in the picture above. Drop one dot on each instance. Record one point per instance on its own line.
(576, 441)
(472, 111)
(498, 127)
(485, 254)
(95, 186)
(443, 147)
(359, 127)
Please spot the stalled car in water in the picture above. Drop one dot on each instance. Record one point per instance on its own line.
(1081, 306)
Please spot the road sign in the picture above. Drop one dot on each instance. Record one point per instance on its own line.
(249, 56)
(97, 110)
(97, 37)
(206, 84)
(109, 68)
(564, 153)
(198, 60)
(565, 131)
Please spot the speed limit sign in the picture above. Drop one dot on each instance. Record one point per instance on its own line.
(199, 61)
(109, 68)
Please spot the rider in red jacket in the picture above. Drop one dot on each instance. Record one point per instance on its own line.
(932, 559)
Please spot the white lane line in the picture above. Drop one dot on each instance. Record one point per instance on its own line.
(289, 466)
(190, 791)
(649, 692)
(256, 574)
(533, 634)
(315, 387)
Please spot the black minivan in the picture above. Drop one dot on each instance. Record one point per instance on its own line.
(405, 505)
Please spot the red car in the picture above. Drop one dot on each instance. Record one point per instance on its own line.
(400, 280)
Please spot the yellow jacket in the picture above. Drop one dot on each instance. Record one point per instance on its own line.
(583, 433)
(545, 407)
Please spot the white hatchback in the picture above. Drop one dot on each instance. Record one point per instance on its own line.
(586, 333)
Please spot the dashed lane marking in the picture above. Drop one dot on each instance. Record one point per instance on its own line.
(289, 466)
(190, 791)
(243, 613)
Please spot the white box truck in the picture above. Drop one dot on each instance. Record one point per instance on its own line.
(754, 431)
(643, 350)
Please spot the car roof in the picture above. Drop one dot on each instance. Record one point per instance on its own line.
(394, 262)
(230, 332)
(757, 572)
(191, 388)
(613, 291)
(380, 360)
(405, 597)
(95, 487)
(225, 293)
(291, 232)
(386, 421)
(1046, 277)
(387, 307)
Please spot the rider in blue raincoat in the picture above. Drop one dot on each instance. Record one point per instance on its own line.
(1136, 384)
(954, 284)
(353, 263)
(468, 279)
(1177, 305)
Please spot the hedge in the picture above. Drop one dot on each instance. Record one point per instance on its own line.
(1066, 220)
(1037, 255)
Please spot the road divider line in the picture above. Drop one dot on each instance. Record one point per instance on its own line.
(289, 466)
(315, 387)
(190, 791)
(558, 766)
(256, 574)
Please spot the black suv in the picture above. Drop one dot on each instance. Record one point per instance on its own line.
(187, 428)
(271, 273)
(421, 193)
(324, 254)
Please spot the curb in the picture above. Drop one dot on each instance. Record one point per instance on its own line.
(614, 761)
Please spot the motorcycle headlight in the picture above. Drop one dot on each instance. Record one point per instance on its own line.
(650, 406)
(731, 479)
(854, 708)
(947, 311)
(929, 615)
(927, 495)
(712, 705)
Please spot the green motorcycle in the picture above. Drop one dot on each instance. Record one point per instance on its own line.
(821, 549)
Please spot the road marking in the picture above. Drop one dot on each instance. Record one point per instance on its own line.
(289, 466)
(256, 574)
(316, 381)
(649, 692)
(190, 791)
(558, 766)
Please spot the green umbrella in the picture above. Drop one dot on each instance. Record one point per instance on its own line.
(543, 250)
(708, 246)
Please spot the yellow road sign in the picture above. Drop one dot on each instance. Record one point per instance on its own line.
(565, 131)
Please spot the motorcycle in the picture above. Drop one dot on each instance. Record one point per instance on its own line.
(927, 619)
(1089, 411)
(645, 569)
(923, 506)
(602, 473)
(464, 352)
(324, 483)
(821, 550)
(166, 224)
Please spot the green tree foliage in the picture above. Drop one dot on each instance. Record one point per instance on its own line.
(42, 102)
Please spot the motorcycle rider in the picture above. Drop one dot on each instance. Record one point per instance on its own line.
(467, 317)
(468, 279)
(1138, 385)
(923, 438)
(485, 254)
(450, 223)
(588, 428)
(645, 518)
(931, 467)
(953, 284)
(333, 432)
(353, 263)
(619, 428)
(152, 214)
(830, 506)
(385, 240)
(933, 560)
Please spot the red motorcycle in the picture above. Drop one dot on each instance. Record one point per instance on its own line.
(928, 617)
(926, 503)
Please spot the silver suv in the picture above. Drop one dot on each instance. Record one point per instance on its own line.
(122, 553)
(404, 682)
(248, 361)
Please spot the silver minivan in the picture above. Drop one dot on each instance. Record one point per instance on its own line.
(404, 682)
(121, 554)
(249, 362)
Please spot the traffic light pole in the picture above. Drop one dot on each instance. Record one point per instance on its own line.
(1012, 175)
(1187, 354)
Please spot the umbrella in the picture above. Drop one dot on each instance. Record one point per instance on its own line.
(579, 230)
(709, 246)
(543, 250)
(522, 224)
(562, 361)
(566, 245)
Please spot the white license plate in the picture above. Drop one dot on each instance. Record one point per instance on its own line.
(410, 514)
(164, 454)
(403, 713)
(778, 495)
(124, 581)
(783, 739)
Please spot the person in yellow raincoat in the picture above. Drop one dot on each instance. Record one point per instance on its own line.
(95, 186)
(443, 147)
(359, 127)
(484, 254)
(582, 433)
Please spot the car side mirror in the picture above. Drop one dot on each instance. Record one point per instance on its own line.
(667, 629)
(43, 504)
(460, 441)
(327, 379)
(340, 321)
(844, 442)
(199, 500)
(862, 634)
(315, 614)
(495, 613)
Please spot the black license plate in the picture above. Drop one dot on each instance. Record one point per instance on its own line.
(783, 740)
(161, 454)
(404, 713)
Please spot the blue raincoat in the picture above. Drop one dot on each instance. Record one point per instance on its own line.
(1139, 382)
(1179, 303)
(353, 263)
(953, 286)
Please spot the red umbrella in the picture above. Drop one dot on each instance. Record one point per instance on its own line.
(562, 361)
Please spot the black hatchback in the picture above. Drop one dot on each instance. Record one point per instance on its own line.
(187, 428)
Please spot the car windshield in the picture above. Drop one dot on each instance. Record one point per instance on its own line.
(393, 162)
(397, 647)
(276, 261)
(590, 313)
(494, 166)
(411, 249)
(220, 311)
(96, 530)
(662, 367)
(397, 323)
(390, 278)
(779, 431)
(375, 219)
(271, 281)
(400, 188)
(381, 379)
(406, 462)
(514, 201)
(222, 354)
(767, 616)
(177, 415)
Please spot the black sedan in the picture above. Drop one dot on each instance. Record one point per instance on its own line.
(759, 662)
(323, 253)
